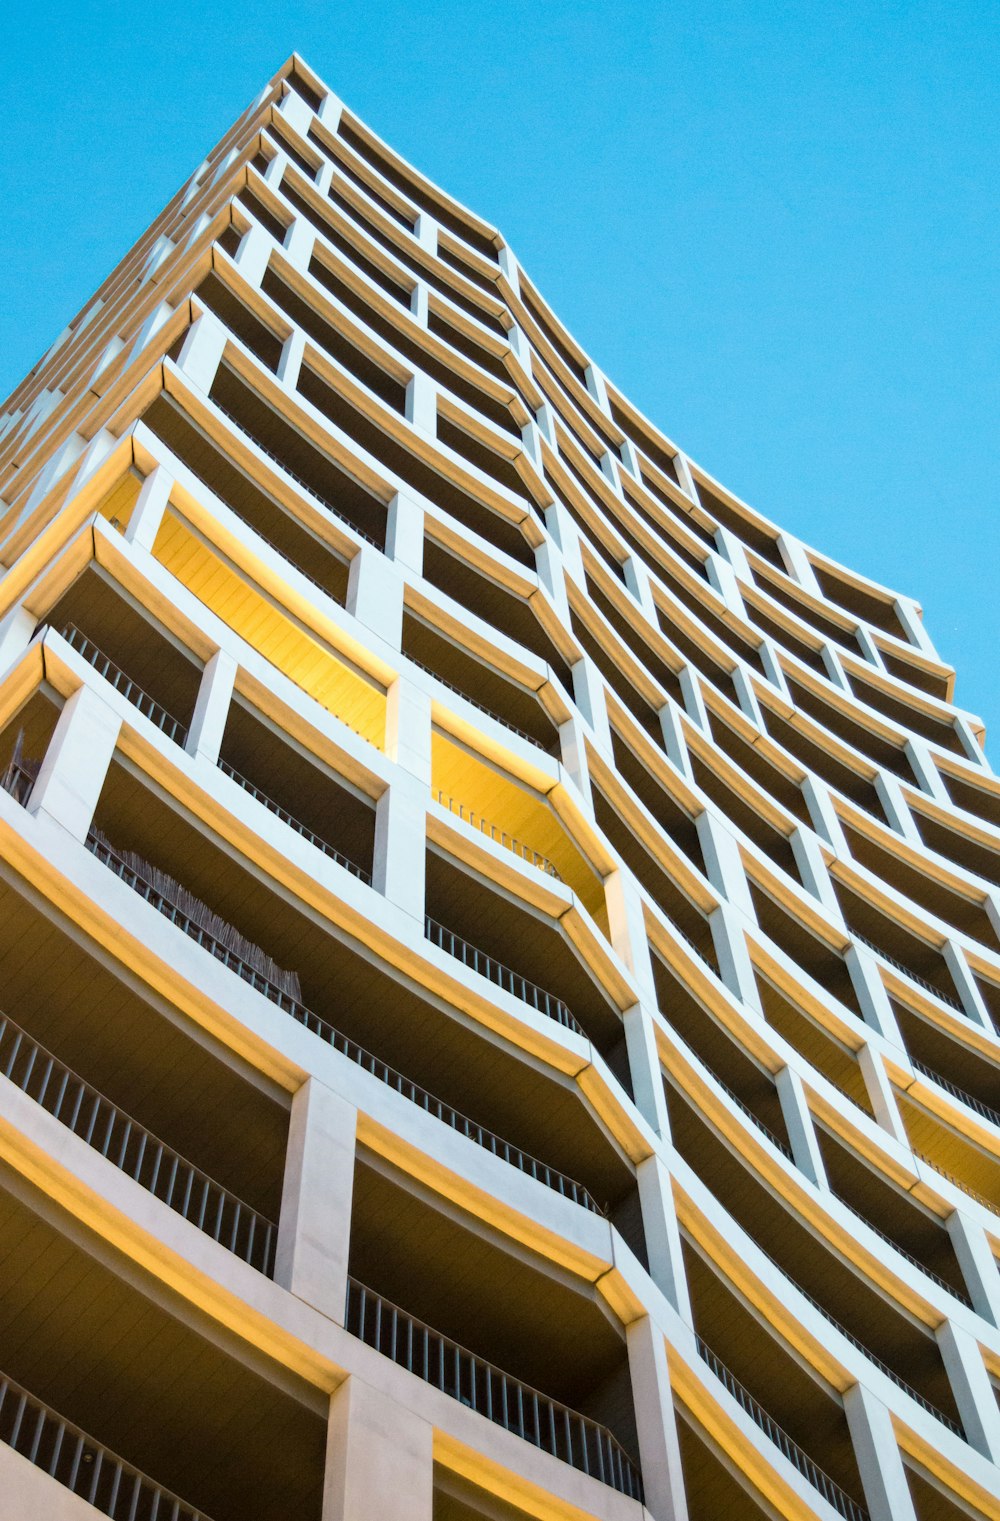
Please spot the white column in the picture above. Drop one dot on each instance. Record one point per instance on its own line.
(883, 1476)
(799, 1124)
(663, 1237)
(588, 694)
(292, 353)
(379, 1458)
(211, 710)
(724, 862)
(627, 928)
(972, 1389)
(978, 1265)
(966, 987)
(151, 503)
(375, 594)
(644, 1067)
(314, 1230)
(203, 349)
(76, 762)
(404, 537)
(399, 867)
(16, 632)
(421, 405)
(656, 1424)
(882, 1094)
(728, 929)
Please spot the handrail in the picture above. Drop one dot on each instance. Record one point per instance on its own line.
(873, 1357)
(297, 478)
(555, 1428)
(133, 1149)
(294, 823)
(123, 683)
(827, 1487)
(901, 966)
(765, 1129)
(500, 836)
(549, 1176)
(913, 1261)
(82, 1465)
(503, 976)
(477, 704)
(989, 1204)
(18, 781)
(985, 1110)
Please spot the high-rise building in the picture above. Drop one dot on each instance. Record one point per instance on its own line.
(498, 941)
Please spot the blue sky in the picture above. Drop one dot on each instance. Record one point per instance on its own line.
(773, 225)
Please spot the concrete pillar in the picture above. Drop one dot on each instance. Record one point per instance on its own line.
(588, 694)
(978, 1264)
(379, 1458)
(694, 702)
(300, 239)
(399, 867)
(656, 1423)
(404, 538)
(883, 1476)
(408, 728)
(872, 997)
(824, 816)
(211, 710)
(76, 762)
(203, 349)
(314, 1229)
(16, 633)
(882, 1094)
(971, 999)
(799, 1124)
(893, 801)
(728, 927)
(375, 594)
(644, 1065)
(151, 504)
(421, 404)
(972, 1389)
(292, 353)
(724, 863)
(924, 766)
(675, 741)
(627, 927)
(663, 1237)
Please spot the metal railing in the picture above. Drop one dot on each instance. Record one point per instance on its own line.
(956, 1092)
(565, 1433)
(81, 1465)
(872, 1357)
(480, 705)
(782, 1146)
(18, 780)
(500, 836)
(294, 823)
(922, 1267)
(827, 1487)
(342, 516)
(990, 1204)
(123, 683)
(502, 976)
(522, 1160)
(901, 966)
(133, 1149)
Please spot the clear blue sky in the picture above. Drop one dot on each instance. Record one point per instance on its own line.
(773, 225)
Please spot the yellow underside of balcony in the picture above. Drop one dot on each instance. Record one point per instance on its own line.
(342, 690)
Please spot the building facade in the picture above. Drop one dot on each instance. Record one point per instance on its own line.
(499, 943)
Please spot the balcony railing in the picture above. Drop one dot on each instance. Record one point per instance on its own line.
(827, 1487)
(82, 1465)
(500, 836)
(782, 1146)
(123, 683)
(296, 824)
(130, 1147)
(990, 1204)
(901, 966)
(510, 981)
(565, 1433)
(961, 1094)
(18, 778)
(285, 469)
(525, 1163)
(922, 1267)
(476, 704)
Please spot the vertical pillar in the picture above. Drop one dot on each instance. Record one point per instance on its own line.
(151, 503)
(978, 1264)
(656, 1423)
(375, 594)
(404, 537)
(799, 1124)
(379, 1458)
(883, 1476)
(663, 1237)
(314, 1230)
(202, 352)
(401, 812)
(421, 404)
(16, 633)
(76, 762)
(211, 709)
(972, 1389)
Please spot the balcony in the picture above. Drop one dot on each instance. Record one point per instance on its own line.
(491, 1323)
(112, 1375)
(416, 1044)
(565, 1433)
(304, 547)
